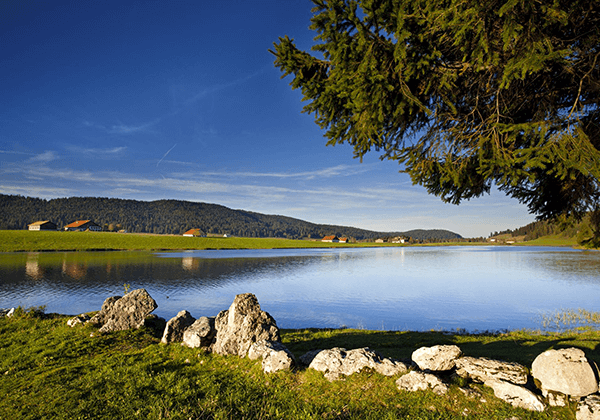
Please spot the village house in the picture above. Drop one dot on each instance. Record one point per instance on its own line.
(399, 240)
(42, 225)
(343, 240)
(194, 233)
(83, 225)
(331, 238)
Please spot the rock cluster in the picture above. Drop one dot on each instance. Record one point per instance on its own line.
(557, 376)
(338, 362)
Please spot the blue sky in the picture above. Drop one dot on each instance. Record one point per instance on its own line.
(180, 100)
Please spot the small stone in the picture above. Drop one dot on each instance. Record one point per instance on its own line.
(421, 381)
(516, 395)
(176, 326)
(481, 369)
(436, 358)
(201, 334)
(589, 408)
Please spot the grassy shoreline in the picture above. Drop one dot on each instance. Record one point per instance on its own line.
(26, 241)
(52, 371)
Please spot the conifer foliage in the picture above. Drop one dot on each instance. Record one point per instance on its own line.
(464, 94)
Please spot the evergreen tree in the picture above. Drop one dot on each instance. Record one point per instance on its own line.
(464, 94)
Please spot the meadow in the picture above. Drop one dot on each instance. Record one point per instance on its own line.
(49, 370)
(23, 240)
(26, 241)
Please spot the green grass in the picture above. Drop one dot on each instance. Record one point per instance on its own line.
(22, 240)
(553, 240)
(48, 370)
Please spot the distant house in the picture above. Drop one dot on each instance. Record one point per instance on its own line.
(379, 241)
(331, 238)
(343, 240)
(42, 225)
(400, 240)
(82, 225)
(194, 232)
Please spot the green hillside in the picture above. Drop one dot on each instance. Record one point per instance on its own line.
(176, 217)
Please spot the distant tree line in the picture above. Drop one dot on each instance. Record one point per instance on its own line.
(176, 217)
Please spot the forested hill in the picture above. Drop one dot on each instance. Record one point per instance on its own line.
(175, 217)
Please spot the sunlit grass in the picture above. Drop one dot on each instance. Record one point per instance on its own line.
(22, 240)
(49, 370)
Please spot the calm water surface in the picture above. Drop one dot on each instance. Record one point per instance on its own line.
(413, 288)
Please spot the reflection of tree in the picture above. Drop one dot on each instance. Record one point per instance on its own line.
(32, 267)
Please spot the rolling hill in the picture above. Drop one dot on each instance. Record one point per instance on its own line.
(175, 217)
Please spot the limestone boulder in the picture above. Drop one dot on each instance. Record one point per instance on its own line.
(589, 408)
(338, 362)
(123, 313)
(102, 316)
(243, 324)
(201, 334)
(421, 381)
(481, 369)
(275, 356)
(566, 371)
(436, 358)
(176, 326)
(516, 395)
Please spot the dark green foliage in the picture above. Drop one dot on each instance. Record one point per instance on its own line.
(463, 94)
(176, 217)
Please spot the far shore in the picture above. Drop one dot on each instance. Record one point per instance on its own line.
(50, 241)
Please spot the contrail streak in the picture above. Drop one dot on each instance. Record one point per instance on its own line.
(165, 155)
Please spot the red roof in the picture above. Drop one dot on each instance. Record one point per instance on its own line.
(193, 232)
(77, 223)
(329, 238)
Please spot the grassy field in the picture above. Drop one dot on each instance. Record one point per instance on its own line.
(49, 370)
(23, 240)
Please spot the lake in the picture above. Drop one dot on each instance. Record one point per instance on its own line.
(476, 288)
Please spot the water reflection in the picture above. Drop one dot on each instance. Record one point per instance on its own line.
(381, 288)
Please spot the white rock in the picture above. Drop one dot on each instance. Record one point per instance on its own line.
(176, 326)
(436, 358)
(516, 395)
(589, 409)
(337, 362)
(481, 369)
(420, 381)
(566, 371)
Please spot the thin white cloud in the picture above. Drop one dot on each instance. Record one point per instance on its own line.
(47, 156)
(218, 87)
(339, 170)
(11, 152)
(113, 151)
(131, 129)
(33, 191)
